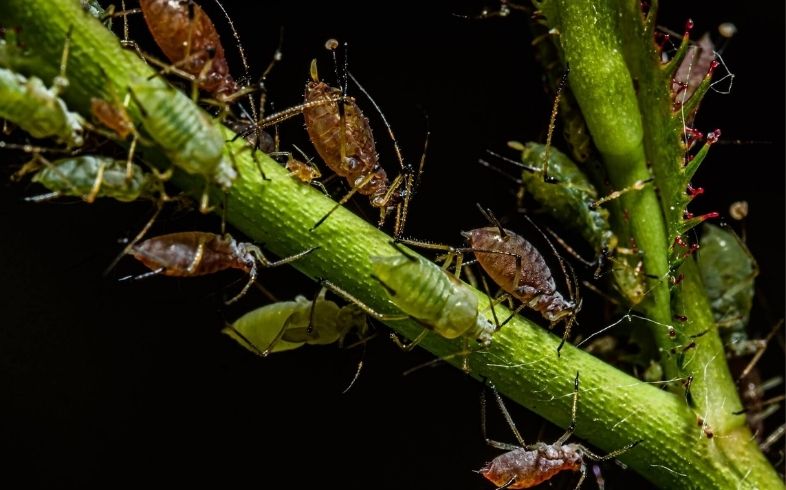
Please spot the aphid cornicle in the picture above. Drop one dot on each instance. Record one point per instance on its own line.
(525, 466)
(195, 253)
(287, 325)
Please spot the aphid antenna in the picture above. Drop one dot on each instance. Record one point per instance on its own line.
(130, 245)
(139, 277)
(573, 288)
(552, 124)
(489, 215)
(494, 168)
(521, 165)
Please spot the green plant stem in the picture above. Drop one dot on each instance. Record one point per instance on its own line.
(631, 128)
(614, 408)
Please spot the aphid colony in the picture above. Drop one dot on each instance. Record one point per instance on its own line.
(158, 117)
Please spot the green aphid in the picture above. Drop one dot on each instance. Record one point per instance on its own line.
(728, 270)
(39, 110)
(284, 325)
(434, 298)
(89, 177)
(570, 199)
(186, 133)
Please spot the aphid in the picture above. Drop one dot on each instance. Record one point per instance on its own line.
(287, 325)
(195, 253)
(342, 137)
(115, 117)
(525, 466)
(39, 110)
(516, 266)
(571, 201)
(92, 176)
(189, 39)
(185, 133)
(443, 304)
(728, 271)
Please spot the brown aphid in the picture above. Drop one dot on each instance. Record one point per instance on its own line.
(188, 38)
(343, 139)
(112, 116)
(526, 466)
(196, 253)
(305, 172)
(516, 266)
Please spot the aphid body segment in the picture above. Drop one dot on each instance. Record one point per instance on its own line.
(440, 302)
(287, 325)
(348, 150)
(189, 39)
(570, 200)
(90, 176)
(39, 110)
(728, 271)
(532, 284)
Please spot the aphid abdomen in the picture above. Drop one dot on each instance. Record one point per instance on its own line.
(323, 124)
(76, 177)
(189, 254)
(531, 467)
(185, 132)
(194, 40)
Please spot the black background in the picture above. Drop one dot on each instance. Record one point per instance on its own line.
(120, 384)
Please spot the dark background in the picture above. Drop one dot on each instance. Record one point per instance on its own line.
(121, 384)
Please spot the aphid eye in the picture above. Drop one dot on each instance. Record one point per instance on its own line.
(352, 162)
(211, 51)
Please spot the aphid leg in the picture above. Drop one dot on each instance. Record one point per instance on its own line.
(343, 200)
(198, 255)
(636, 186)
(126, 42)
(408, 347)
(364, 307)
(252, 277)
(313, 310)
(279, 336)
(257, 252)
(91, 197)
(508, 419)
(564, 437)
(60, 82)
